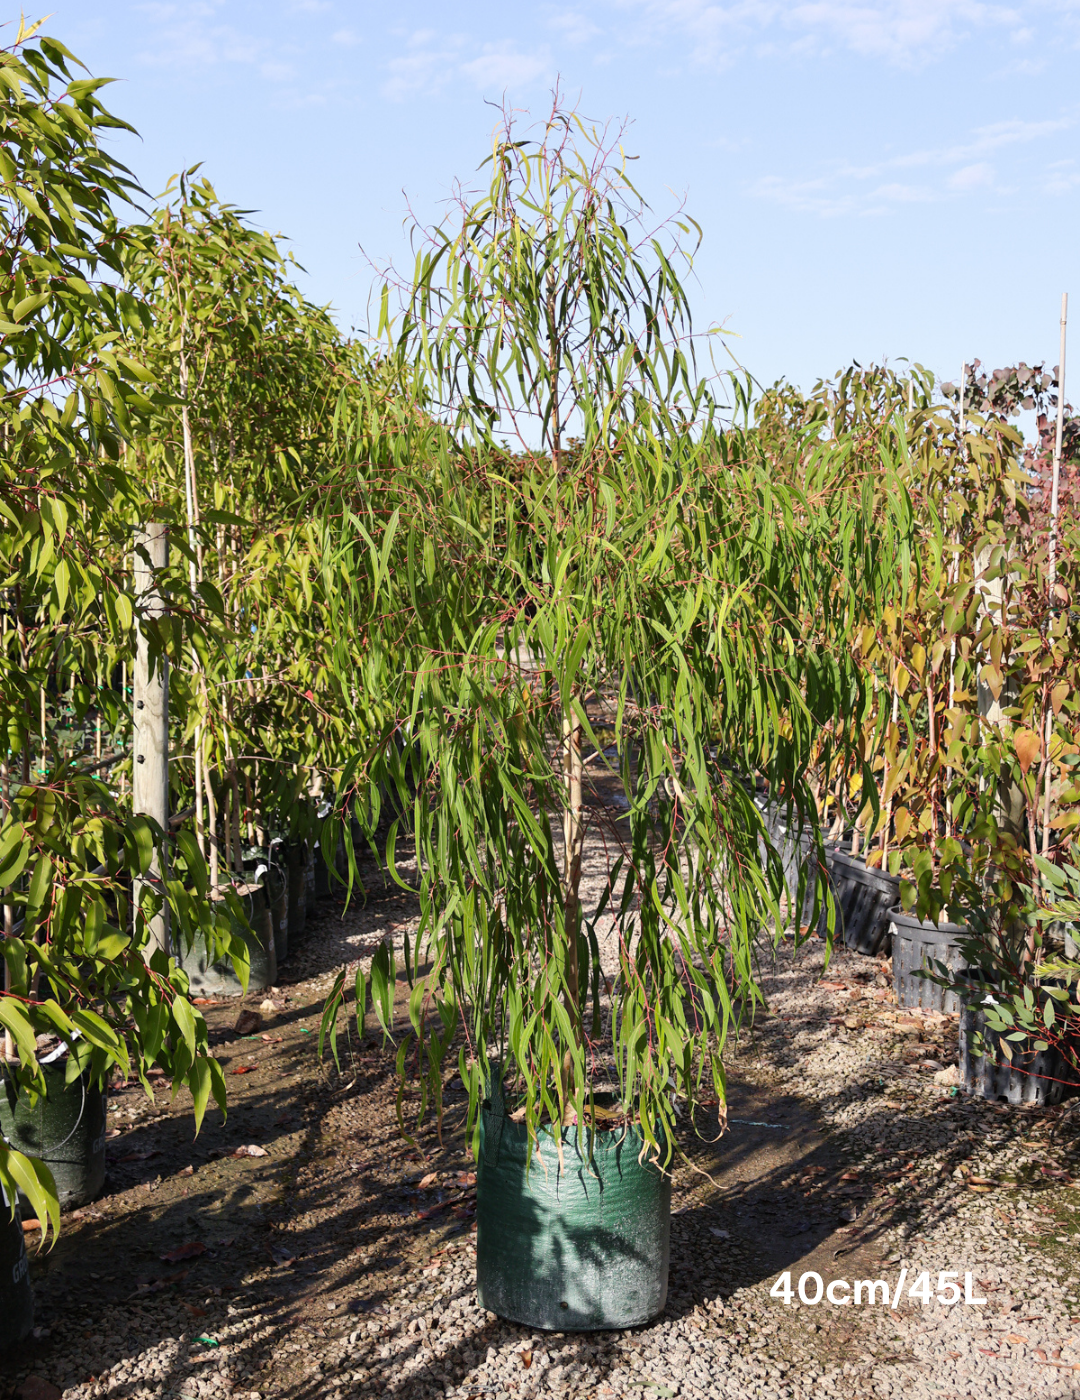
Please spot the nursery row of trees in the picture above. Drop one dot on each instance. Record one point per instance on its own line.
(433, 586)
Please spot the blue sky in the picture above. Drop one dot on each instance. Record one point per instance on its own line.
(875, 178)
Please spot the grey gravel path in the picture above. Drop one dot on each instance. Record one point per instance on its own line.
(921, 1180)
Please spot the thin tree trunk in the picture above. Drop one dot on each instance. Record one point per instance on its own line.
(572, 846)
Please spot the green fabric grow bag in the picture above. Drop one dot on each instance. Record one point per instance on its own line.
(16, 1298)
(65, 1128)
(572, 1250)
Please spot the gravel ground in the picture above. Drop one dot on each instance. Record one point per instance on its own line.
(340, 1263)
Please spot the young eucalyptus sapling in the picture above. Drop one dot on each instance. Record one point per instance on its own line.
(589, 607)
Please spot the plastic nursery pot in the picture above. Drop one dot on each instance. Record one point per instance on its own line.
(864, 898)
(915, 944)
(218, 979)
(297, 860)
(65, 1128)
(1030, 1076)
(579, 1248)
(273, 872)
(325, 887)
(16, 1297)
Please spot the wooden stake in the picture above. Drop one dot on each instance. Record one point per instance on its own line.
(150, 720)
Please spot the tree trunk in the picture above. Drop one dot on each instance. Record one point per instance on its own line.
(572, 844)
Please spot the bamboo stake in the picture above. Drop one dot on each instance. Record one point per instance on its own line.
(1052, 560)
(191, 507)
(211, 824)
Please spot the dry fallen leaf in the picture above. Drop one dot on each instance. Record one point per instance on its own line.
(526, 1359)
(1015, 1338)
(251, 1150)
(243, 1069)
(247, 1023)
(194, 1311)
(429, 1180)
(140, 1156)
(186, 1171)
(184, 1251)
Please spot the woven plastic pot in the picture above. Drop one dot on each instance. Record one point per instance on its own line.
(65, 1128)
(794, 843)
(574, 1249)
(16, 1298)
(915, 943)
(1031, 1076)
(297, 862)
(864, 898)
(218, 979)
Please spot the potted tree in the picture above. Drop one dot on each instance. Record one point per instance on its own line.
(83, 968)
(593, 609)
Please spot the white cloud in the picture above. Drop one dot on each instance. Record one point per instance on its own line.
(347, 38)
(431, 62)
(902, 32)
(972, 177)
(949, 172)
(1062, 176)
(574, 27)
(901, 194)
(502, 66)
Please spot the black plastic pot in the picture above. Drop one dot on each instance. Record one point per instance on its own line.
(915, 943)
(65, 1128)
(297, 862)
(579, 1248)
(325, 887)
(218, 979)
(1030, 1076)
(275, 876)
(794, 844)
(864, 898)
(16, 1297)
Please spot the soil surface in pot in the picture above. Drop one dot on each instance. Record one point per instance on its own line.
(340, 1263)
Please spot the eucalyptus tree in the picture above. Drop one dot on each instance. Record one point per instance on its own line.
(254, 372)
(585, 574)
(77, 958)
